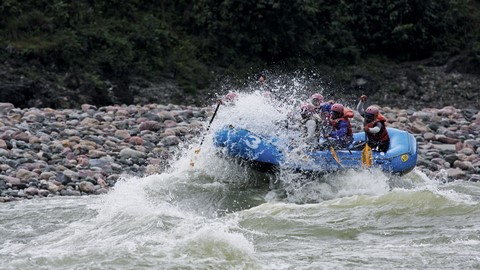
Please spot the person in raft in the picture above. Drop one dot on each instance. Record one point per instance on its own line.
(321, 108)
(341, 134)
(374, 126)
(309, 123)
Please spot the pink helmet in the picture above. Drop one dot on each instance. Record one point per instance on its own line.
(372, 110)
(306, 109)
(337, 107)
(317, 96)
(231, 96)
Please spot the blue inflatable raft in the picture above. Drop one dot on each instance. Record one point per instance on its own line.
(270, 153)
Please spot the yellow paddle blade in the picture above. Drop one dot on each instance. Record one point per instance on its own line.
(197, 151)
(334, 154)
(367, 156)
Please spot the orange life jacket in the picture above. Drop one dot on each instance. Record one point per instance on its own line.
(334, 123)
(382, 135)
(347, 113)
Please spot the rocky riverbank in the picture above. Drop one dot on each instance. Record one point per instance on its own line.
(46, 152)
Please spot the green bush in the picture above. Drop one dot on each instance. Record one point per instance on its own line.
(190, 39)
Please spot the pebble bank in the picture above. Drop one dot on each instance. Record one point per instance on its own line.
(46, 152)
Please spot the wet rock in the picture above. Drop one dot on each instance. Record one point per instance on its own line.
(474, 178)
(122, 134)
(3, 144)
(47, 175)
(445, 139)
(69, 192)
(21, 136)
(3, 185)
(464, 165)
(4, 153)
(428, 136)
(150, 125)
(451, 158)
(427, 164)
(13, 181)
(101, 191)
(51, 187)
(43, 192)
(418, 127)
(136, 140)
(170, 123)
(131, 153)
(23, 175)
(4, 167)
(165, 115)
(31, 191)
(466, 151)
(63, 178)
(6, 107)
(170, 141)
(86, 187)
(456, 173)
(96, 153)
(433, 126)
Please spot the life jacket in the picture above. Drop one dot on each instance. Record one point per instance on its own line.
(382, 135)
(335, 122)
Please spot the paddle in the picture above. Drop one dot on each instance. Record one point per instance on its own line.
(197, 151)
(367, 150)
(208, 128)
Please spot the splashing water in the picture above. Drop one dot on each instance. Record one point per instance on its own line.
(267, 114)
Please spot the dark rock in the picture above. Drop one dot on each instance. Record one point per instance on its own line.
(433, 126)
(68, 192)
(474, 178)
(468, 113)
(447, 140)
(33, 183)
(152, 116)
(95, 139)
(427, 164)
(451, 158)
(150, 125)
(3, 185)
(63, 179)
(11, 193)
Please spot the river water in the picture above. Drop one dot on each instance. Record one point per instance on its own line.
(220, 215)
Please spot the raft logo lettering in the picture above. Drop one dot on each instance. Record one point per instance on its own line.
(253, 141)
(404, 157)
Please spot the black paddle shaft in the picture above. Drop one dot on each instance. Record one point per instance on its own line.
(211, 120)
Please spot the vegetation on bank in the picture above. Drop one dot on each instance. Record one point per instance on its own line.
(189, 41)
